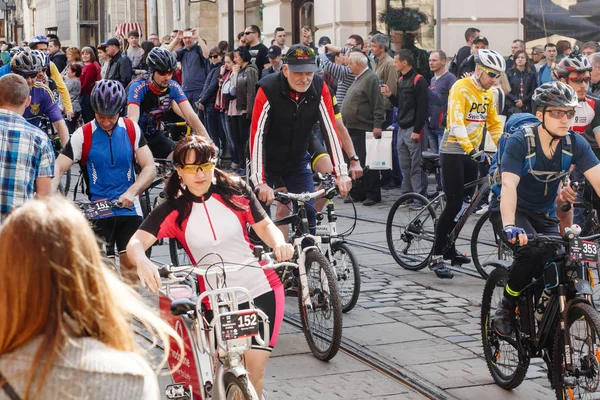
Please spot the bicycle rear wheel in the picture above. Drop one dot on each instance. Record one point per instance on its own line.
(583, 380)
(347, 272)
(487, 245)
(506, 365)
(321, 323)
(410, 232)
(238, 387)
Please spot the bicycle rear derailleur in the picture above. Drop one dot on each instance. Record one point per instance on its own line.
(178, 391)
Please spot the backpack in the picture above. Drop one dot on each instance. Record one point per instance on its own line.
(436, 112)
(526, 122)
(87, 138)
(453, 67)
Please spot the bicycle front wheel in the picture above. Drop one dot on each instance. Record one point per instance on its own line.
(582, 380)
(506, 365)
(487, 245)
(179, 256)
(347, 272)
(410, 231)
(322, 320)
(238, 387)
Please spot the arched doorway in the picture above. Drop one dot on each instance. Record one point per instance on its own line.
(303, 15)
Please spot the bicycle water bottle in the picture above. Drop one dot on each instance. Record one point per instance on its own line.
(465, 204)
(541, 306)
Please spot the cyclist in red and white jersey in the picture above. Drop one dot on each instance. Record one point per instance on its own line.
(575, 70)
(207, 211)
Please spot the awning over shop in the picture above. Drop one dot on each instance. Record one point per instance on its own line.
(121, 30)
(577, 22)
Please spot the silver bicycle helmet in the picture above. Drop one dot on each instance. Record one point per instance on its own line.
(490, 59)
(555, 94)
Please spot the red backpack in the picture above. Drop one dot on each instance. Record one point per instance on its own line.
(87, 138)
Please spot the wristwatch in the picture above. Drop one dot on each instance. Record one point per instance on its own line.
(354, 158)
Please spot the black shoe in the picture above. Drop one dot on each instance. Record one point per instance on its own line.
(440, 269)
(457, 258)
(504, 318)
(369, 202)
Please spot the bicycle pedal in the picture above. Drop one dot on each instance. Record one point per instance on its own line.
(178, 391)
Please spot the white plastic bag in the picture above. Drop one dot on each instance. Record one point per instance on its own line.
(379, 151)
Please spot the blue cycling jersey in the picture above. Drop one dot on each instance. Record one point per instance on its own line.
(153, 106)
(109, 168)
(42, 105)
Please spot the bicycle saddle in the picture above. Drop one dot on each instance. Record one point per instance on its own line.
(184, 306)
(430, 155)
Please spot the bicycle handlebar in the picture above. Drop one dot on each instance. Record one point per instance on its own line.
(329, 190)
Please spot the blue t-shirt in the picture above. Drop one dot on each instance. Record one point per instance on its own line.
(5, 69)
(153, 107)
(532, 194)
(109, 170)
(194, 68)
(42, 105)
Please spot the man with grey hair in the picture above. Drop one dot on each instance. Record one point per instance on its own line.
(595, 74)
(26, 154)
(363, 111)
(537, 57)
(589, 48)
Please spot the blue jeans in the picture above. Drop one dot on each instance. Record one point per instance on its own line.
(213, 125)
(435, 137)
(226, 125)
(297, 180)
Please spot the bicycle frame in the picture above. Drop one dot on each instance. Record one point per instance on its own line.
(485, 183)
(207, 355)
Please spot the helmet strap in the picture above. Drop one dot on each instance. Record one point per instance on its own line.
(552, 135)
(155, 87)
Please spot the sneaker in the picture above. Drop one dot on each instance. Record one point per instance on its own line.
(406, 203)
(504, 318)
(481, 209)
(416, 206)
(457, 258)
(440, 269)
(369, 202)
(234, 166)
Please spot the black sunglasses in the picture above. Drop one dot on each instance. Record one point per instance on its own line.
(249, 33)
(214, 56)
(28, 75)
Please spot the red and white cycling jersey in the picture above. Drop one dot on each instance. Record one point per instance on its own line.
(215, 231)
(587, 120)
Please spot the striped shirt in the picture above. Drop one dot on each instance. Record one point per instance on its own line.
(342, 73)
(25, 155)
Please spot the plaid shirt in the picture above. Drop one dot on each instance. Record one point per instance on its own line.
(25, 155)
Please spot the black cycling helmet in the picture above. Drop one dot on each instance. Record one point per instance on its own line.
(161, 60)
(574, 62)
(108, 97)
(25, 63)
(555, 94)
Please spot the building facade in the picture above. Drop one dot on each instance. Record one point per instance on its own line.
(79, 22)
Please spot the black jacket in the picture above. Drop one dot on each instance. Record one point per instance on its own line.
(529, 81)
(119, 69)
(211, 85)
(60, 60)
(411, 100)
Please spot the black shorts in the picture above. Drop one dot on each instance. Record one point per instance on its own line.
(116, 230)
(160, 145)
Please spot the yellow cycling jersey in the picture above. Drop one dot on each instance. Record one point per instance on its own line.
(469, 109)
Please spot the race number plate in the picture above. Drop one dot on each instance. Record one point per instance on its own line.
(584, 251)
(240, 325)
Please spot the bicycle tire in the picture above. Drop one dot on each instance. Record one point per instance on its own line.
(347, 273)
(238, 384)
(481, 256)
(178, 253)
(324, 343)
(576, 313)
(492, 342)
(421, 231)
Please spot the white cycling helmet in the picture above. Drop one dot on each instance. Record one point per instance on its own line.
(490, 59)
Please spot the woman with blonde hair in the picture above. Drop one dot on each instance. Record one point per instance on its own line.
(65, 318)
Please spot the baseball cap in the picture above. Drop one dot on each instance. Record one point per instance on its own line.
(300, 58)
(324, 40)
(274, 52)
(112, 42)
(481, 39)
